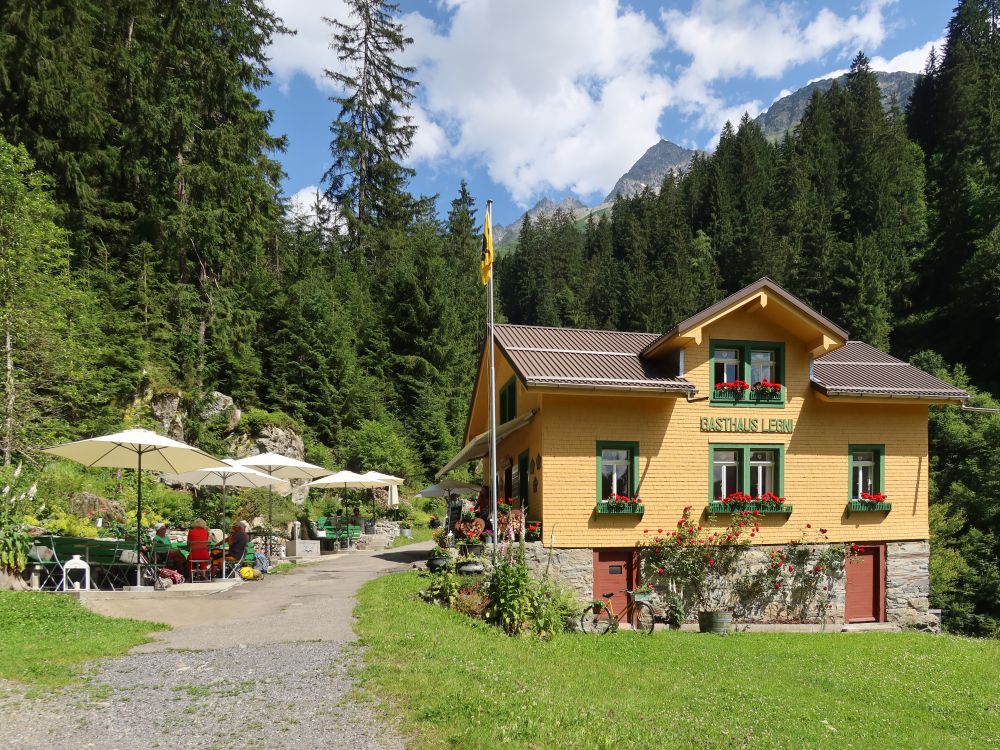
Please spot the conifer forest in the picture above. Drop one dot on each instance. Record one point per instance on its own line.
(145, 245)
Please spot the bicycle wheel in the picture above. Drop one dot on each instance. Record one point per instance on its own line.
(595, 619)
(643, 618)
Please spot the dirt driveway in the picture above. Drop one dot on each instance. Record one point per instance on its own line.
(264, 665)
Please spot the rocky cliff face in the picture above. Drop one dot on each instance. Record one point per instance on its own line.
(786, 113)
(651, 168)
(545, 207)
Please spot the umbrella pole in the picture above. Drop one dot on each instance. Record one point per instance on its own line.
(270, 522)
(224, 550)
(138, 521)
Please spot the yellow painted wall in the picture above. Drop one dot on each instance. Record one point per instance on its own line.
(674, 453)
(528, 438)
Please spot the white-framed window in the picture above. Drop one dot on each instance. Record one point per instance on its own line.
(763, 365)
(728, 365)
(864, 472)
(762, 468)
(616, 471)
(725, 472)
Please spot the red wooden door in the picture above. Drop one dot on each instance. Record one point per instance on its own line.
(864, 586)
(614, 571)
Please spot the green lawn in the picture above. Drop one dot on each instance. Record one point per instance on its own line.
(458, 683)
(44, 638)
(420, 534)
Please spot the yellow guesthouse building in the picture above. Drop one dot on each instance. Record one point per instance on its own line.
(584, 414)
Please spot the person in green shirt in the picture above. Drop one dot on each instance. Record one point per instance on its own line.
(163, 549)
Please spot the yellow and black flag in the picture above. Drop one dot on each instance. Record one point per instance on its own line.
(486, 265)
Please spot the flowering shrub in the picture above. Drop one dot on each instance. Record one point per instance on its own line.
(693, 562)
(870, 498)
(766, 388)
(736, 386)
(799, 581)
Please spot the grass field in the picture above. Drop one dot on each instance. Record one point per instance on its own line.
(459, 683)
(45, 638)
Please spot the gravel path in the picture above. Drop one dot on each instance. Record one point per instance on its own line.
(211, 694)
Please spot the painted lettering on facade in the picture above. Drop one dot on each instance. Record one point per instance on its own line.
(747, 424)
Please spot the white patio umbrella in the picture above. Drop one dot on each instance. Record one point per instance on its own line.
(282, 467)
(135, 449)
(449, 487)
(228, 474)
(350, 480)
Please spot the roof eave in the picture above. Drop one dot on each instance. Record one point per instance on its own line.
(834, 393)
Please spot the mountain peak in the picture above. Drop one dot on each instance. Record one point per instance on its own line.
(786, 112)
(651, 168)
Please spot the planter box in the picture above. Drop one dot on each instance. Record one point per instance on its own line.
(642, 597)
(763, 508)
(856, 506)
(623, 509)
(746, 397)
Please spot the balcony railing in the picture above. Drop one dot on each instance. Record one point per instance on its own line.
(719, 508)
(749, 396)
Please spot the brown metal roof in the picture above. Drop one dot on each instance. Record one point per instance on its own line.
(859, 369)
(732, 299)
(573, 357)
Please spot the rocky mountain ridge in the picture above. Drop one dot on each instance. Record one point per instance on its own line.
(665, 156)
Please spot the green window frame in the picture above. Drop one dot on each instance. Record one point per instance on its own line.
(508, 401)
(743, 453)
(744, 369)
(633, 458)
(878, 467)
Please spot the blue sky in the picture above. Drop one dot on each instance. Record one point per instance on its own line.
(532, 98)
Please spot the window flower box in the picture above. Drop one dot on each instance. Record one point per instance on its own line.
(856, 506)
(870, 501)
(755, 395)
(620, 505)
(755, 507)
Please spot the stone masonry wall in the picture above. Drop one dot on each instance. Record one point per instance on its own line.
(907, 583)
(908, 586)
(573, 567)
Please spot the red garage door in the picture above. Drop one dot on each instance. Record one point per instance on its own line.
(865, 585)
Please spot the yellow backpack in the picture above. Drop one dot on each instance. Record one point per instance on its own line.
(250, 574)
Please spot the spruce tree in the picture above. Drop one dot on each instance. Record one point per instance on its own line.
(373, 132)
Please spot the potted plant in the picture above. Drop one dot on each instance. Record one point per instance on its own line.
(469, 565)
(533, 532)
(766, 389)
(406, 529)
(439, 558)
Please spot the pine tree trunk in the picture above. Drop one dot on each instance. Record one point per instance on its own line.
(8, 389)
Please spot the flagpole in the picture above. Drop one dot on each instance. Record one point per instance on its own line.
(493, 388)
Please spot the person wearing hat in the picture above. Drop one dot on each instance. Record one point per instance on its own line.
(198, 554)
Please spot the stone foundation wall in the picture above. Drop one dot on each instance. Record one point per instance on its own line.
(908, 585)
(573, 567)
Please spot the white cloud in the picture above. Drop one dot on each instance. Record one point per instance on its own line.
(302, 204)
(557, 94)
(727, 39)
(308, 51)
(911, 61)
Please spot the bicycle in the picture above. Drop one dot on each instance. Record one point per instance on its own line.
(599, 616)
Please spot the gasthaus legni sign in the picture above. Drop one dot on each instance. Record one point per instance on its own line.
(747, 424)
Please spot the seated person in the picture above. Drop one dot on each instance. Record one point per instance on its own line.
(237, 540)
(163, 549)
(197, 539)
